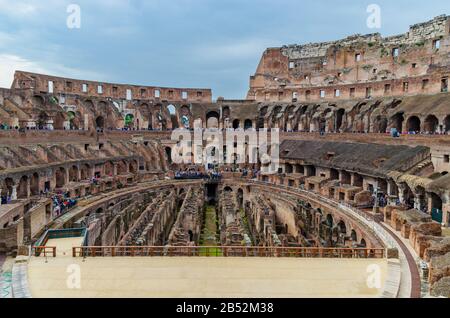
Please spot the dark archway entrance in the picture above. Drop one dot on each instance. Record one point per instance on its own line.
(413, 124)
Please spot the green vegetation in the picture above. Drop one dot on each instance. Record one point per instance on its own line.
(209, 236)
(246, 224)
(420, 44)
(384, 52)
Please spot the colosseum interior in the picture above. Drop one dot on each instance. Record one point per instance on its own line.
(88, 177)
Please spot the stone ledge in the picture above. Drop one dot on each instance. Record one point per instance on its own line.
(20, 279)
(392, 283)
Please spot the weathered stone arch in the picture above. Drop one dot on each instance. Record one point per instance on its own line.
(248, 124)
(413, 124)
(100, 122)
(60, 177)
(447, 123)
(73, 174)
(109, 168)
(431, 124)
(34, 184)
(212, 120)
(22, 189)
(85, 174)
(397, 121)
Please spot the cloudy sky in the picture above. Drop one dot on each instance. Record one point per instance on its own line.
(181, 43)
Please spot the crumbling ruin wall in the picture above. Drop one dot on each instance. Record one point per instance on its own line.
(187, 228)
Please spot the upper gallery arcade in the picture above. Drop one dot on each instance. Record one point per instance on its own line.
(357, 67)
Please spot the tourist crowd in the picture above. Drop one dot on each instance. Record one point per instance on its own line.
(62, 203)
(189, 175)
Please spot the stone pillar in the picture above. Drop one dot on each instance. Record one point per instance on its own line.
(50, 124)
(14, 193)
(67, 176)
(401, 193)
(86, 122)
(28, 187)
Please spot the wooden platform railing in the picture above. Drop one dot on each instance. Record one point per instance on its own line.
(45, 251)
(226, 251)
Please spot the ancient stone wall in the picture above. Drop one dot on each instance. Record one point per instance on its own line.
(357, 67)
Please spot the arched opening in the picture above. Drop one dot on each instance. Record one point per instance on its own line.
(341, 233)
(236, 124)
(329, 221)
(59, 120)
(226, 116)
(185, 114)
(380, 125)
(185, 122)
(132, 167)
(240, 198)
(22, 191)
(308, 95)
(42, 120)
(447, 123)
(397, 121)
(60, 177)
(408, 196)
(431, 124)
(173, 116)
(85, 172)
(100, 122)
(289, 168)
(34, 184)
(300, 169)
(228, 189)
(38, 101)
(122, 168)
(129, 121)
(413, 124)
(169, 154)
(248, 124)
(9, 183)
(363, 243)
(334, 174)
(354, 236)
(73, 174)
(71, 118)
(109, 169)
(436, 208)
(339, 119)
(342, 228)
(357, 180)
(212, 120)
(346, 177)
(172, 110)
(191, 236)
(262, 115)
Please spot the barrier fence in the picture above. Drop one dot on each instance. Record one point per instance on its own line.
(226, 251)
(44, 251)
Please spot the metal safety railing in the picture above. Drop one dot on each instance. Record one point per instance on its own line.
(227, 251)
(45, 251)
